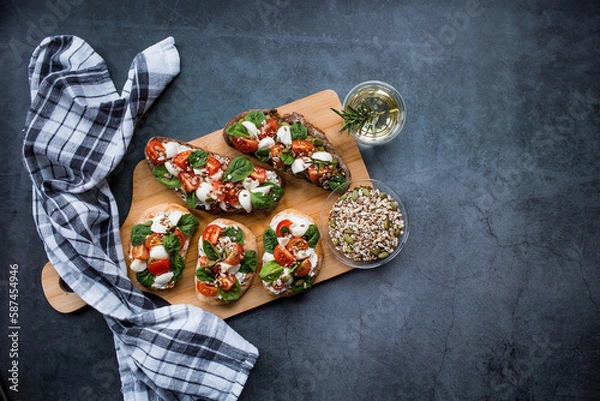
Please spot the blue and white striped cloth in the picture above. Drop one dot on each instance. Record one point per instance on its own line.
(76, 132)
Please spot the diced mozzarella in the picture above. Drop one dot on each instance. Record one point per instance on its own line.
(174, 217)
(204, 191)
(159, 252)
(322, 156)
(283, 241)
(251, 128)
(273, 177)
(158, 226)
(138, 265)
(217, 175)
(249, 184)
(265, 189)
(171, 148)
(300, 164)
(298, 227)
(227, 269)
(245, 201)
(162, 280)
(284, 135)
(172, 168)
(267, 257)
(266, 143)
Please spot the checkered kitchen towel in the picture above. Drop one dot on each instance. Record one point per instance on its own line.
(76, 132)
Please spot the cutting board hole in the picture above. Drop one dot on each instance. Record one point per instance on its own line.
(64, 286)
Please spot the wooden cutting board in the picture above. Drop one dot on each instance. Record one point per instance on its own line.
(298, 194)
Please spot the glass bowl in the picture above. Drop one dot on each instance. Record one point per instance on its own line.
(341, 245)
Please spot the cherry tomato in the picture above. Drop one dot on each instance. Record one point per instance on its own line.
(189, 181)
(155, 151)
(159, 266)
(140, 252)
(259, 174)
(297, 244)
(226, 282)
(181, 159)
(153, 240)
(180, 235)
(226, 191)
(302, 147)
(303, 269)
(275, 155)
(203, 260)
(283, 227)
(245, 145)
(283, 256)
(269, 127)
(235, 254)
(315, 174)
(212, 165)
(211, 233)
(206, 289)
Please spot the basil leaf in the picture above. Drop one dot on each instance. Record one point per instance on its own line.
(239, 168)
(235, 233)
(237, 129)
(172, 243)
(205, 273)
(191, 199)
(188, 224)
(198, 158)
(312, 235)
(177, 266)
(139, 232)
(261, 201)
(336, 181)
(276, 191)
(210, 251)
(264, 155)
(233, 294)
(145, 278)
(269, 240)
(270, 271)
(298, 131)
(302, 284)
(256, 117)
(163, 176)
(249, 262)
(287, 159)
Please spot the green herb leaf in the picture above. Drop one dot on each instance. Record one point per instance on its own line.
(312, 235)
(205, 273)
(210, 251)
(256, 117)
(337, 181)
(276, 191)
(233, 294)
(356, 118)
(172, 243)
(239, 168)
(264, 155)
(287, 159)
(270, 240)
(261, 201)
(188, 224)
(235, 233)
(302, 284)
(237, 129)
(139, 232)
(163, 176)
(177, 266)
(198, 158)
(249, 262)
(298, 131)
(270, 271)
(145, 278)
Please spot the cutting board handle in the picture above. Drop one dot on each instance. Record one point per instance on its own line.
(58, 293)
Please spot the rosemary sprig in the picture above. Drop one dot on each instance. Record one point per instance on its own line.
(356, 118)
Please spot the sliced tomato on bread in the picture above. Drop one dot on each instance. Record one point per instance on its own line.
(212, 182)
(227, 261)
(159, 243)
(290, 144)
(293, 253)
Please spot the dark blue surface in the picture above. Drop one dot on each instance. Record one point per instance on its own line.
(496, 295)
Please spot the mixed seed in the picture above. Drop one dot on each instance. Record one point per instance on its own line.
(365, 224)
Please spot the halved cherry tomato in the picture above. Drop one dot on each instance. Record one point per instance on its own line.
(303, 269)
(275, 155)
(259, 174)
(269, 127)
(206, 289)
(140, 252)
(159, 266)
(180, 235)
(245, 145)
(153, 240)
(156, 152)
(235, 254)
(302, 147)
(212, 165)
(226, 282)
(283, 256)
(316, 173)
(297, 244)
(283, 227)
(181, 159)
(189, 181)
(203, 260)
(211, 233)
(226, 191)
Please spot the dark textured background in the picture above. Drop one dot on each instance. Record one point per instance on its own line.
(496, 295)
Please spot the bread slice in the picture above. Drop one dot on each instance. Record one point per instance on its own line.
(292, 256)
(290, 144)
(212, 182)
(159, 242)
(227, 261)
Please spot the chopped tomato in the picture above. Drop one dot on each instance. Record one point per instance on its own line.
(259, 174)
(180, 235)
(245, 145)
(303, 269)
(235, 254)
(181, 159)
(283, 256)
(155, 151)
(297, 244)
(302, 147)
(212, 165)
(275, 155)
(206, 289)
(269, 127)
(203, 260)
(227, 282)
(153, 240)
(159, 266)
(283, 227)
(211, 233)
(140, 252)
(189, 181)
(226, 191)
(315, 173)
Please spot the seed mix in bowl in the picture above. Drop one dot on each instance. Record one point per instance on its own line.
(365, 224)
